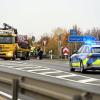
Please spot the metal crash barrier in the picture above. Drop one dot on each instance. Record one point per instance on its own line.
(27, 88)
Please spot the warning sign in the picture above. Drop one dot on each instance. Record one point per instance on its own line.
(65, 51)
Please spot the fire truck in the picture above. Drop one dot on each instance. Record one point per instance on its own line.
(13, 45)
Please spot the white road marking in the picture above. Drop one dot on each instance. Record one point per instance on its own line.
(67, 79)
(70, 75)
(38, 69)
(87, 80)
(8, 66)
(44, 73)
(22, 68)
(6, 95)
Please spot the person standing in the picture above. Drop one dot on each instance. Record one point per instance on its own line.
(40, 54)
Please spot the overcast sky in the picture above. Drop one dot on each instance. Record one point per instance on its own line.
(37, 17)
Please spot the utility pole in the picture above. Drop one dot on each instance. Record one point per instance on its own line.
(59, 45)
(59, 31)
(97, 35)
(44, 44)
(75, 29)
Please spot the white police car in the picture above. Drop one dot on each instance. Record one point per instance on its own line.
(86, 58)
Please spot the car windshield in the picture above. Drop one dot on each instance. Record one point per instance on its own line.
(95, 49)
(81, 49)
(7, 39)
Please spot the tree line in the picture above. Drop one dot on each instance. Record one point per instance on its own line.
(52, 41)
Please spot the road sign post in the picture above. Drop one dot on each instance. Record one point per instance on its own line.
(73, 32)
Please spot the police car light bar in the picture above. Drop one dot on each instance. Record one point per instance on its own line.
(92, 42)
(97, 42)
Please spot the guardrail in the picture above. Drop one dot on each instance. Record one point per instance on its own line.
(27, 88)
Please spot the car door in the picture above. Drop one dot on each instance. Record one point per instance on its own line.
(75, 58)
(84, 54)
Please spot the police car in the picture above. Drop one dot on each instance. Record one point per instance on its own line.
(86, 58)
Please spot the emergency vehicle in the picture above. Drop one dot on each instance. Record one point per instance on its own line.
(86, 58)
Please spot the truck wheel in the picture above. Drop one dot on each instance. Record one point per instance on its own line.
(28, 56)
(14, 57)
(22, 58)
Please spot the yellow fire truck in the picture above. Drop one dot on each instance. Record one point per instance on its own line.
(12, 45)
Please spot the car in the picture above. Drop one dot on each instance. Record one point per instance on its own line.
(86, 58)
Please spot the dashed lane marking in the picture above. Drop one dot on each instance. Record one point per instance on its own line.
(62, 76)
(26, 68)
(23, 68)
(87, 80)
(32, 70)
(44, 73)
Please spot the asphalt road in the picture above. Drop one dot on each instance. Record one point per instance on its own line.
(55, 64)
(53, 70)
(64, 66)
(56, 71)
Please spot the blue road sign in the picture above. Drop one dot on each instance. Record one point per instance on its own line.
(73, 32)
(81, 38)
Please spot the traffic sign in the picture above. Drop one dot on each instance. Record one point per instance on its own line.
(73, 32)
(65, 51)
(81, 38)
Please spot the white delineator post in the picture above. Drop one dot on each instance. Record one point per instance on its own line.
(50, 52)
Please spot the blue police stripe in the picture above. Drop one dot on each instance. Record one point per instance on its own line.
(93, 58)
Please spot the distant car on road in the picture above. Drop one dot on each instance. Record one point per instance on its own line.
(86, 58)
